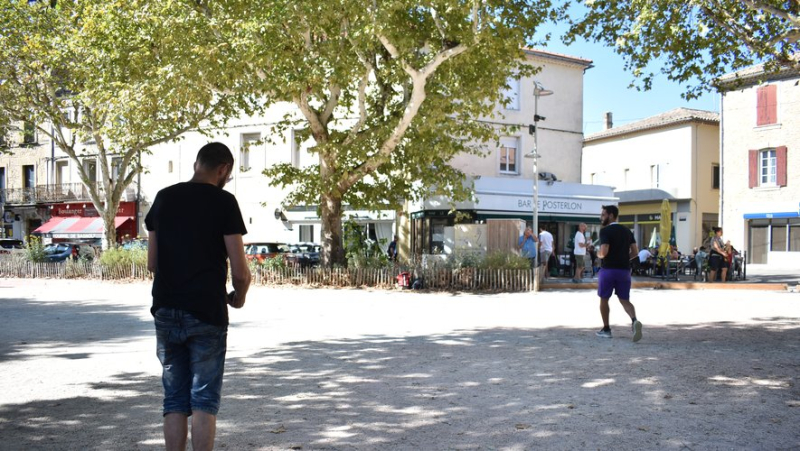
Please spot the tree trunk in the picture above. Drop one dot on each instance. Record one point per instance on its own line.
(331, 212)
(109, 214)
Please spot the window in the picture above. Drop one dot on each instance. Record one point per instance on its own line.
(768, 167)
(714, 176)
(248, 140)
(767, 105)
(90, 167)
(654, 176)
(306, 233)
(62, 172)
(295, 149)
(508, 155)
(592, 178)
(2, 179)
(28, 176)
(116, 168)
(778, 242)
(29, 133)
(512, 94)
(169, 167)
(794, 235)
(625, 179)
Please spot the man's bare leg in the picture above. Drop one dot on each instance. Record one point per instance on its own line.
(204, 428)
(629, 308)
(605, 310)
(175, 430)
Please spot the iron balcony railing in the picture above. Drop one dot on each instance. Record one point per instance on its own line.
(66, 192)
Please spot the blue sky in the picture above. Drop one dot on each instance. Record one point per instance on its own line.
(605, 88)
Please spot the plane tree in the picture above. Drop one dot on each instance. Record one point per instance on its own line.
(387, 90)
(695, 41)
(108, 80)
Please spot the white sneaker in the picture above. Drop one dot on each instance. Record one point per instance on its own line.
(637, 331)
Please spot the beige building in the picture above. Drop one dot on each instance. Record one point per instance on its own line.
(23, 169)
(503, 174)
(760, 203)
(674, 156)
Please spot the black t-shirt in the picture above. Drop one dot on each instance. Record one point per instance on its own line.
(190, 220)
(619, 239)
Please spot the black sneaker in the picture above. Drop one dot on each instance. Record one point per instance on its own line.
(602, 333)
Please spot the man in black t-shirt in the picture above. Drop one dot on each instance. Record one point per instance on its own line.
(617, 247)
(194, 229)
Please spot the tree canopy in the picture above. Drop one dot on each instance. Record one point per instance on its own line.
(694, 41)
(113, 78)
(389, 90)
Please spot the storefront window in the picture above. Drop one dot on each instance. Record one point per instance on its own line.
(778, 242)
(794, 235)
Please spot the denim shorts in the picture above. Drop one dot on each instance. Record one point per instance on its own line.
(611, 280)
(192, 355)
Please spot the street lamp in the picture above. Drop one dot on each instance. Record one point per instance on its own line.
(538, 91)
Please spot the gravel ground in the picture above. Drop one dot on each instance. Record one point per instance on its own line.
(356, 369)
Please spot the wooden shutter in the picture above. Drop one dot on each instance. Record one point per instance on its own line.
(780, 153)
(772, 104)
(753, 168)
(761, 109)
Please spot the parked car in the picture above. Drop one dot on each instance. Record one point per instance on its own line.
(9, 245)
(260, 252)
(59, 252)
(304, 255)
(135, 244)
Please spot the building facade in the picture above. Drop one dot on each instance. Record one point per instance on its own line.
(503, 174)
(673, 156)
(42, 193)
(760, 204)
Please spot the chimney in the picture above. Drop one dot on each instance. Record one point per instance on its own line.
(609, 122)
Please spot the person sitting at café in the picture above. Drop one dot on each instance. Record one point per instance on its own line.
(645, 260)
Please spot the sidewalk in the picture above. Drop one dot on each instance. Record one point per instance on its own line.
(757, 277)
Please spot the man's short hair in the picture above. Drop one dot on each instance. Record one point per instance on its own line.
(213, 155)
(612, 210)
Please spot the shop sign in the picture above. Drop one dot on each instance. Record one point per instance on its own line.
(547, 204)
(87, 210)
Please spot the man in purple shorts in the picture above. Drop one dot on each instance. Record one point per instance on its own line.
(617, 247)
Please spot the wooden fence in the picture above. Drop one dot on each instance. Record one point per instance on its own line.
(466, 279)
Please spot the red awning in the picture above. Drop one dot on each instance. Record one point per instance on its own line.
(49, 225)
(78, 226)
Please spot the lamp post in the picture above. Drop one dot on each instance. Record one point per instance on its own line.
(538, 91)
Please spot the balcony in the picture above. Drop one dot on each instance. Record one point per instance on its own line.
(67, 192)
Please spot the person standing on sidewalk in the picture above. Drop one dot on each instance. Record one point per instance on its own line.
(527, 246)
(617, 247)
(545, 249)
(580, 252)
(195, 227)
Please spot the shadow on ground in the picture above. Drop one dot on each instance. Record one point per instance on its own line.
(52, 327)
(716, 385)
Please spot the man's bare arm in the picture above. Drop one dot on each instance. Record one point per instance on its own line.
(152, 252)
(603, 251)
(240, 273)
(634, 251)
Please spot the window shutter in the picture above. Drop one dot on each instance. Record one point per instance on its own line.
(772, 104)
(761, 106)
(780, 153)
(753, 168)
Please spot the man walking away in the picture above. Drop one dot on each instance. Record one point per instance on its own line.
(617, 247)
(195, 227)
(545, 249)
(527, 245)
(580, 252)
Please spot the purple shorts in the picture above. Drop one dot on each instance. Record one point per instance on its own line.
(611, 280)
